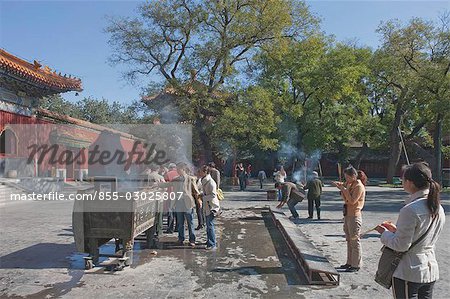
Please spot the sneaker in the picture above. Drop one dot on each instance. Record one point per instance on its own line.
(352, 269)
(345, 266)
(310, 217)
(180, 243)
(211, 248)
(192, 244)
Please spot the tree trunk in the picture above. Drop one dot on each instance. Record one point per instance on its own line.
(423, 153)
(394, 138)
(437, 141)
(205, 142)
(361, 155)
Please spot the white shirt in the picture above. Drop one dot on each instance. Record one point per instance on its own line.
(280, 177)
(210, 200)
(418, 264)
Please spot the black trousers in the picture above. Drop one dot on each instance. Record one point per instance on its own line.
(311, 202)
(200, 216)
(171, 221)
(403, 289)
(242, 183)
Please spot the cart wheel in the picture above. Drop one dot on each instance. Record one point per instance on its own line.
(88, 264)
(128, 252)
(119, 267)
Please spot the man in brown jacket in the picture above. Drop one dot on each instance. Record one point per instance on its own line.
(291, 195)
(185, 188)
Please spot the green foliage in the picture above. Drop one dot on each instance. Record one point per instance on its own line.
(416, 59)
(98, 111)
(199, 47)
(306, 89)
(446, 152)
(178, 39)
(320, 88)
(57, 104)
(248, 123)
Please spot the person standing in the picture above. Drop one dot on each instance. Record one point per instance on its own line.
(199, 203)
(418, 269)
(215, 173)
(162, 170)
(211, 205)
(280, 175)
(261, 177)
(314, 187)
(274, 174)
(248, 174)
(291, 195)
(353, 192)
(240, 171)
(185, 185)
(154, 177)
(170, 175)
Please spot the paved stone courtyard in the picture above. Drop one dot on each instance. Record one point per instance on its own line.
(38, 258)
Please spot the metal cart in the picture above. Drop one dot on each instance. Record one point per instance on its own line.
(97, 222)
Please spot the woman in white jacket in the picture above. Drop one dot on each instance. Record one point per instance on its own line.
(211, 205)
(418, 269)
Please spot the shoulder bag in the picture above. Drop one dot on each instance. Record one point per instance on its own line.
(390, 259)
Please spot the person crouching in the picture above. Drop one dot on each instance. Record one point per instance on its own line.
(291, 195)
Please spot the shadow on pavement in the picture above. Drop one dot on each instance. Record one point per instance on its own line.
(39, 256)
(255, 270)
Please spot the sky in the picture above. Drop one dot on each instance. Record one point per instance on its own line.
(69, 35)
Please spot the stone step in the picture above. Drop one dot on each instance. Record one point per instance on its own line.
(317, 268)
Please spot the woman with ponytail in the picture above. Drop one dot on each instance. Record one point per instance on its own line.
(422, 215)
(353, 193)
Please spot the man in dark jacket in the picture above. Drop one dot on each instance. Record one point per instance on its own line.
(291, 195)
(314, 187)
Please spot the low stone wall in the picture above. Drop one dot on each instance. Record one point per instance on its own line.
(20, 165)
(42, 185)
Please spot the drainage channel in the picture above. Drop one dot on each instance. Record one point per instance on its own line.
(252, 253)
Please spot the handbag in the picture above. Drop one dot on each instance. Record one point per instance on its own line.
(390, 259)
(220, 195)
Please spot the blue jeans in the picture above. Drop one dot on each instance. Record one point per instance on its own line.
(210, 232)
(189, 216)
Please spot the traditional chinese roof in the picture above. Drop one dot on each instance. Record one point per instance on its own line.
(167, 102)
(64, 119)
(33, 79)
(187, 89)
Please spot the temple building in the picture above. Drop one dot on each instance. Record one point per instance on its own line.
(23, 123)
